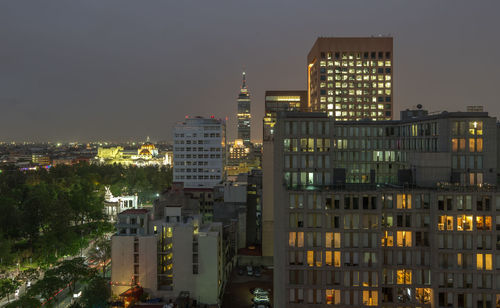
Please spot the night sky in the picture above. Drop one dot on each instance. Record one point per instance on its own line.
(121, 70)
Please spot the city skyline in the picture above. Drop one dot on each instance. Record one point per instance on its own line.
(65, 78)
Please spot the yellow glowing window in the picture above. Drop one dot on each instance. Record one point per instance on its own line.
(476, 128)
(479, 261)
(336, 239)
(454, 144)
(169, 232)
(423, 295)
(404, 238)
(472, 145)
(328, 258)
(464, 223)
(310, 258)
(461, 144)
(291, 239)
(479, 144)
(300, 239)
(404, 201)
(403, 276)
(387, 239)
(332, 297)
(328, 239)
(370, 298)
(336, 255)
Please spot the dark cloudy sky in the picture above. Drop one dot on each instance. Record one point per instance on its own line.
(122, 70)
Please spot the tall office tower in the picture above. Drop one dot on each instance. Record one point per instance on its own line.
(386, 213)
(351, 77)
(244, 116)
(199, 152)
(275, 102)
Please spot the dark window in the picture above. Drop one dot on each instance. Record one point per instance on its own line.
(337, 55)
(322, 92)
(387, 70)
(365, 55)
(373, 54)
(387, 113)
(380, 70)
(388, 99)
(322, 55)
(380, 54)
(387, 54)
(322, 77)
(380, 99)
(322, 70)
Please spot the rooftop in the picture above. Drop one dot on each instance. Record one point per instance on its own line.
(135, 211)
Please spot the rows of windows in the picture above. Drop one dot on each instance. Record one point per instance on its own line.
(197, 156)
(355, 55)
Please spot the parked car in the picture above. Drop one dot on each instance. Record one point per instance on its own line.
(249, 270)
(257, 272)
(260, 291)
(241, 270)
(261, 299)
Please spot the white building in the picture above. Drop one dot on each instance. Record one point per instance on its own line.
(199, 152)
(167, 250)
(114, 205)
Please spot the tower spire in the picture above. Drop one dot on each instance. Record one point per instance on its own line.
(244, 85)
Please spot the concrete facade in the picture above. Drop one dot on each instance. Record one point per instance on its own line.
(409, 217)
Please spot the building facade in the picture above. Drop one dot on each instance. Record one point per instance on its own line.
(386, 214)
(244, 116)
(199, 152)
(276, 101)
(167, 251)
(350, 78)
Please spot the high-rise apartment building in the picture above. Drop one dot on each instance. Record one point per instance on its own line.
(275, 102)
(244, 116)
(386, 213)
(350, 78)
(199, 152)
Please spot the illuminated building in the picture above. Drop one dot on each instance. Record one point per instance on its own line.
(199, 152)
(350, 78)
(386, 213)
(168, 250)
(146, 155)
(244, 116)
(41, 160)
(275, 102)
(238, 151)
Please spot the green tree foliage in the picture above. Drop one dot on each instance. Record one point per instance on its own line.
(47, 288)
(7, 287)
(96, 294)
(101, 253)
(70, 271)
(47, 213)
(24, 302)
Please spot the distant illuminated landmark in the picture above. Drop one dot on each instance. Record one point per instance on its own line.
(244, 112)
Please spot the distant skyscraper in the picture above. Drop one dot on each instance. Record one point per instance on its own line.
(199, 152)
(244, 112)
(351, 77)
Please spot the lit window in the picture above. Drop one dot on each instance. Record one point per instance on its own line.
(310, 258)
(464, 223)
(484, 261)
(404, 238)
(388, 239)
(404, 276)
(332, 297)
(404, 201)
(370, 298)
